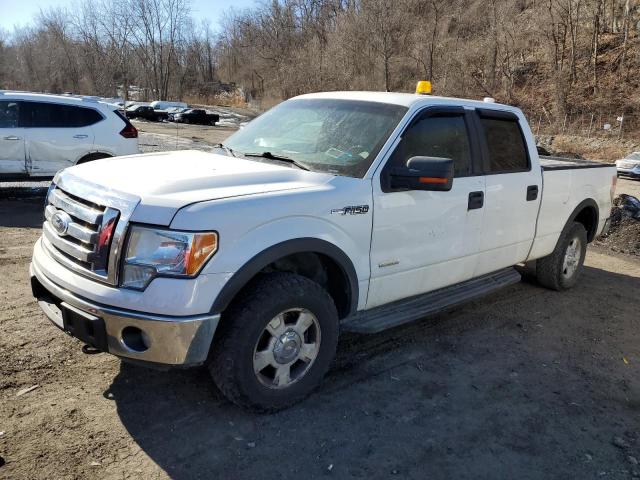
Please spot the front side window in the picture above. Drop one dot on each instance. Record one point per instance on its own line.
(9, 114)
(52, 115)
(436, 135)
(337, 136)
(505, 144)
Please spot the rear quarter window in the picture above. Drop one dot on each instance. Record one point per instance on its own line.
(506, 147)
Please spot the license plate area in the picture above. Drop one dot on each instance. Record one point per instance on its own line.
(84, 326)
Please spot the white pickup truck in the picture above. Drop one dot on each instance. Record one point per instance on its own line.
(353, 211)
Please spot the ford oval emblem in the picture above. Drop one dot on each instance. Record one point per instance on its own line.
(60, 222)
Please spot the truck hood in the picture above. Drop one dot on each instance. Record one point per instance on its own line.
(162, 183)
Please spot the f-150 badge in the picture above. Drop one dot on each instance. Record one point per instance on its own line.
(352, 210)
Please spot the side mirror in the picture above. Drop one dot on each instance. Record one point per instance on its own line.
(423, 173)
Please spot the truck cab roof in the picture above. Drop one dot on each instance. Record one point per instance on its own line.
(409, 99)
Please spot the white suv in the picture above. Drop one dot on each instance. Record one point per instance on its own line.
(42, 134)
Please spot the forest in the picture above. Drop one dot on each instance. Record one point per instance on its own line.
(550, 57)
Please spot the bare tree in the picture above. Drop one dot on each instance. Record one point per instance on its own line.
(551, 54)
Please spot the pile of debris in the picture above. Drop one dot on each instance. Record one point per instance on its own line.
(624, 234)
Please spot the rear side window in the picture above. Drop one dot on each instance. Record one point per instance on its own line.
(505, 144)
(436, 135)
(9, 114)
(52, 115)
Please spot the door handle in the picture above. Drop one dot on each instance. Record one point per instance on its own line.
(532, 192)
(476, 200)
(80, 136)
(12, 137)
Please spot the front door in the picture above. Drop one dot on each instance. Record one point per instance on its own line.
(424, 240)
(12, 156)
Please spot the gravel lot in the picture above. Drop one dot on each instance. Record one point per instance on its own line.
(159, 137)
(153, 137)
(526, 383)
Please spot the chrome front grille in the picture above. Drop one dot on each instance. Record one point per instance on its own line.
(78, 233)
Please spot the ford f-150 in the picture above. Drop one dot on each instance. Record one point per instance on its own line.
(342, 211)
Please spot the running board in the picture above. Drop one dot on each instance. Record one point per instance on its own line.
(404, 311)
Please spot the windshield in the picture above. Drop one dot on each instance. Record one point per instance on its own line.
(336, 136)
(634, 156)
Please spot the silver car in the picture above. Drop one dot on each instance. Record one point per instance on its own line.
(629, 166)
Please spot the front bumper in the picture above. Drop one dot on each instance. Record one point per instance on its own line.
(633, 173)
(148, 338)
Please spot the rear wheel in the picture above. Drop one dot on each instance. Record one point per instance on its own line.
(93, 156)
(275, 342)
(561, 269)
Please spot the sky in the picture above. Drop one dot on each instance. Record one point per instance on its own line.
(21, 12)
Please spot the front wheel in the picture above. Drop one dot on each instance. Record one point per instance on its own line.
(561, 269)
(275, 343)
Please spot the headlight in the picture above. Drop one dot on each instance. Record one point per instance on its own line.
(168, 253)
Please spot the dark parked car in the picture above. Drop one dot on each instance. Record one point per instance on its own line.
(146, 112)
(195, 115)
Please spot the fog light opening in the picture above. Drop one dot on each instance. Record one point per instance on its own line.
(135, 339)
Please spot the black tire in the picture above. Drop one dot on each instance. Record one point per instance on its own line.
(550, 270)
(242, 325)
(93, 156)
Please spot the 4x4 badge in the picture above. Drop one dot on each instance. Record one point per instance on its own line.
(352, 210)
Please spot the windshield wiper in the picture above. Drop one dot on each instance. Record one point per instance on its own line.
(280, 158)
(228, 150)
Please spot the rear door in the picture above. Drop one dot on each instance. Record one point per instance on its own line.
(513, 191)
(57, 135)
(12, 154)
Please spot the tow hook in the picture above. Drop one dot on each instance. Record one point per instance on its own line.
(90, 350)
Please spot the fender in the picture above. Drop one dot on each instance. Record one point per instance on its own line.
(280, 250)
(589, 202)
(88, 156)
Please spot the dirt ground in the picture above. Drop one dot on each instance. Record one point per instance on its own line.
(526, 383)
(628, 186)
(176, 136)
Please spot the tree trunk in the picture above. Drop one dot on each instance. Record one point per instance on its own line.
(625, 28)
(596, 44)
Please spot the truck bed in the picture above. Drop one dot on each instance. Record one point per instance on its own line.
(561, 163)
(567, 184)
